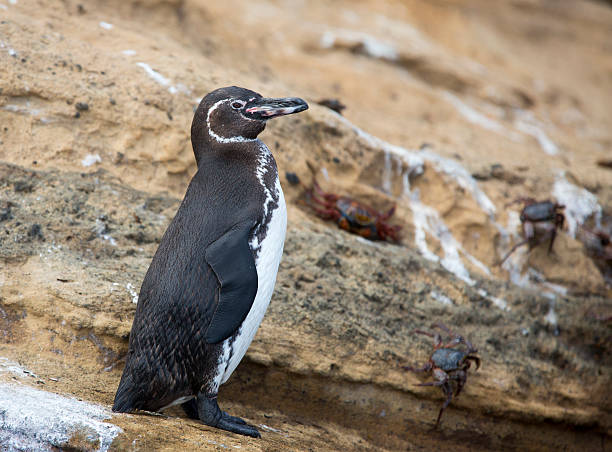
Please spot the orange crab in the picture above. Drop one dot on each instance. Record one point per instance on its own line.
(351, 215)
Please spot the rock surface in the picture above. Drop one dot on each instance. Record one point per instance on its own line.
(484, 104)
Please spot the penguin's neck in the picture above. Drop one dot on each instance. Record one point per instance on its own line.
(241, 153)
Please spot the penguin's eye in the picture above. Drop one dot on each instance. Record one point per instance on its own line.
(238, 104)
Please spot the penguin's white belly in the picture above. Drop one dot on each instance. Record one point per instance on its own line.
(266, 263)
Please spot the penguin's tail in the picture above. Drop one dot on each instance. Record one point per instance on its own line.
(125, 396)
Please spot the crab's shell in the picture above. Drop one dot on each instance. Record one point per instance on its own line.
(448, 359)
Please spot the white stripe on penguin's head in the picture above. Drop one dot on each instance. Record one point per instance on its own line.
(219, 138)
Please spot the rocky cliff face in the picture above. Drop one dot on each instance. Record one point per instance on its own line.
(454, 110)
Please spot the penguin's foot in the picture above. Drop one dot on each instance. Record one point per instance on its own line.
(210, 414)
(191, 410)
(234, 419)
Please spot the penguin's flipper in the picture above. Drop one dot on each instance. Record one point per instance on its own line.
(232, 261)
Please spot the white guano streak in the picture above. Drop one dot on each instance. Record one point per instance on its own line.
(426, 219)
(163, 81)
(580, 204)
(219, 138)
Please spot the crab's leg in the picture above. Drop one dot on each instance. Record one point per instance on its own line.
(440, 376)
(426, 333)
(553, 235)
(560, 219)
(382, 233)
(518, 245)
(456, 338)
(449, 396)
(460, 376)
(426, 368)
(323, 202)
(388, 214)
(546, 230)
(443, 327)
(437, 338)
(431, 383)
(385, 230)
(326, 214)
(327, 196)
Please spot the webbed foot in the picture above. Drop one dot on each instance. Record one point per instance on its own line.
(210, 414)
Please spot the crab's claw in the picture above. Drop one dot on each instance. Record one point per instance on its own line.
(476, 360)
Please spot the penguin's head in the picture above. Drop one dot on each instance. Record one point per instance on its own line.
(234, 115)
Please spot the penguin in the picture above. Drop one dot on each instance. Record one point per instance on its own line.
(211, 279)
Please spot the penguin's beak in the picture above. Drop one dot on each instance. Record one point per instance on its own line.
(263, 108)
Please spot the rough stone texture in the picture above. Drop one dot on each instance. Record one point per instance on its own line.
(512, 100)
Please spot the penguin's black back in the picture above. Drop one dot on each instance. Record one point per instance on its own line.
(168, 355)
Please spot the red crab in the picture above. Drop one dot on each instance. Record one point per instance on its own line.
(447, 363)
(352, 215)
(540, 220)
